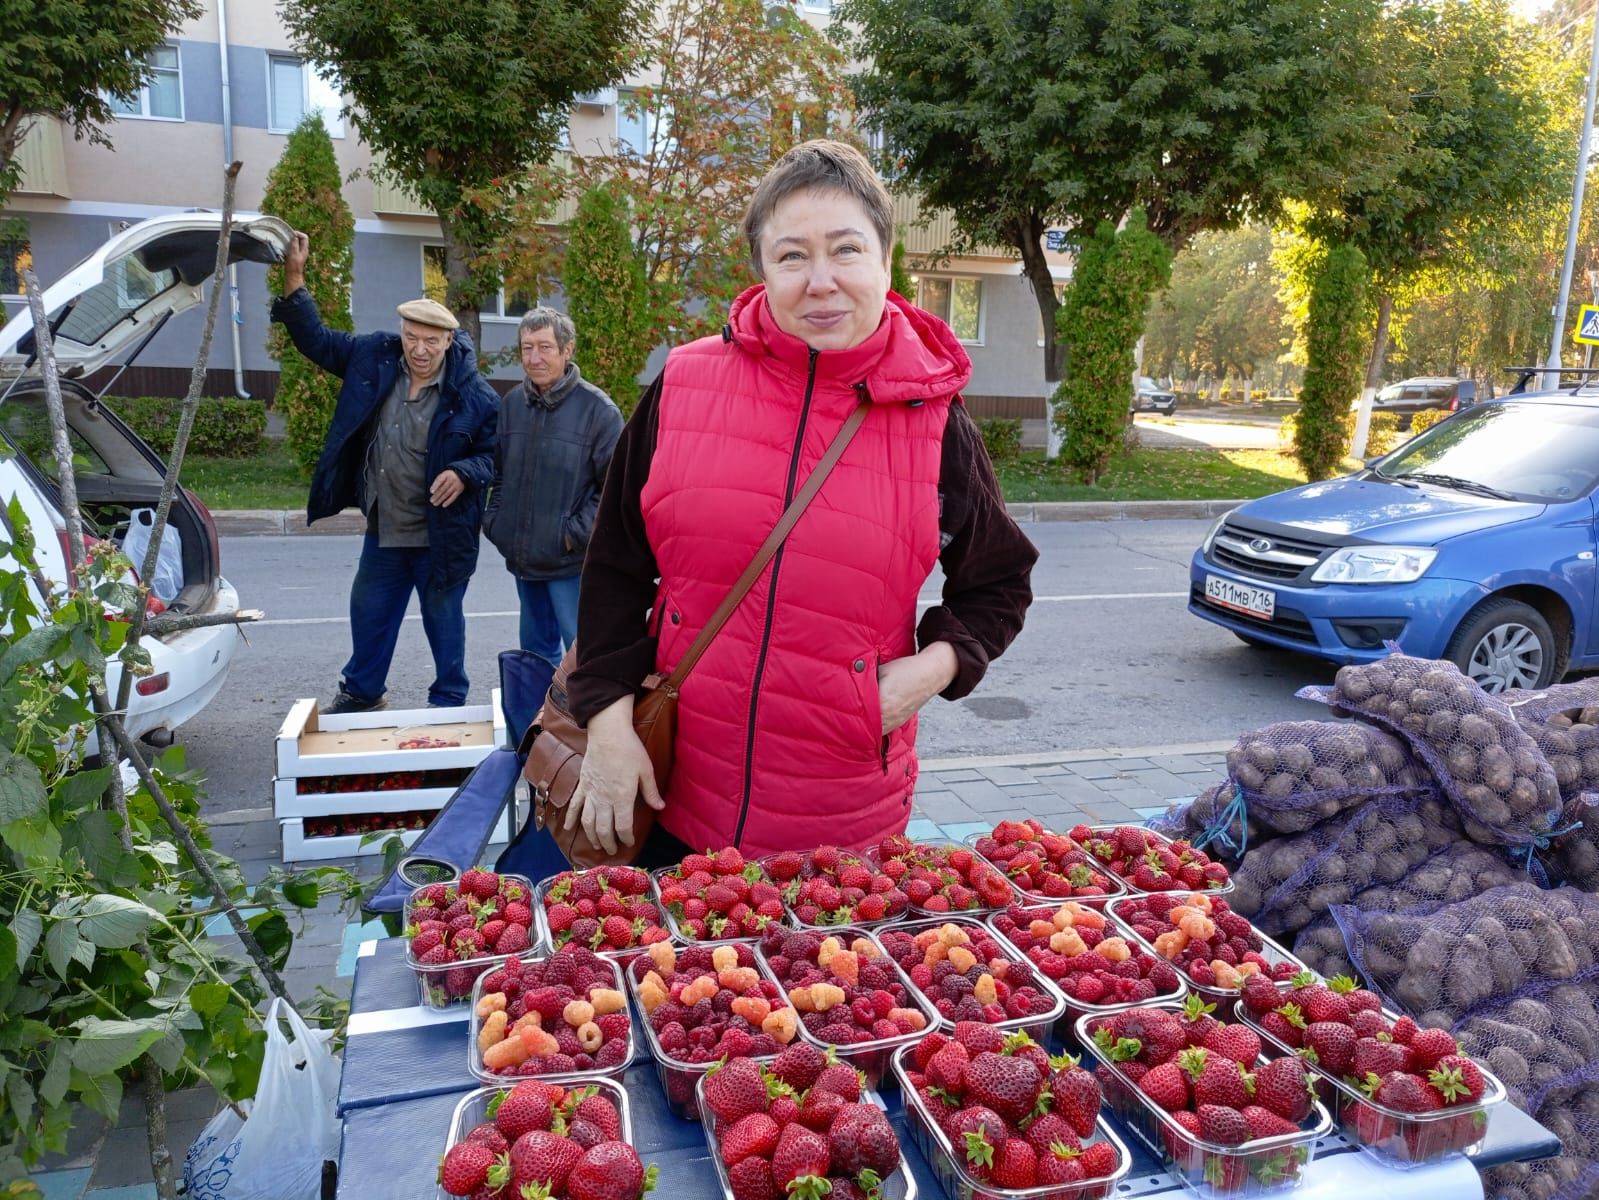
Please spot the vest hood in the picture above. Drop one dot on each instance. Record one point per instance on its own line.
(912, 355)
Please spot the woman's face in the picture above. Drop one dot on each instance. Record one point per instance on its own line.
(825, 269)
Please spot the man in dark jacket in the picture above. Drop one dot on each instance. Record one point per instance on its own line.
(411, 443)
(556, 434)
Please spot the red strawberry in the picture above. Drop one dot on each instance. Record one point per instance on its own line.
(976, 1133)
(1046, 1131)
(1404, 1092)
(1008, 1084)
(465, 1167)
(1237, 1042)
(1373, 1056)
(596, 1108)
(1099, 1160)
(735, 1089)
(1221, 1124)
(524, 1108)
(756, 1133)
(1283, 1087)
(1167, 1086)
(489, 1135)
(799, 1063)
(1076, 1093)
(1428, 1047)
(1263, 1123)
(861, 1139)
(841, 1080)
(543, 1157)
(513, 939)
(609, 1171)
(1333, 1045)
(751, 1179)
(800, 1153)
(1456, 1079)
(482, 884)
(425, 941)
(1015, 1165)
(1217, 1079)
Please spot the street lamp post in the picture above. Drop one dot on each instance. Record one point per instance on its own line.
(1577, 190)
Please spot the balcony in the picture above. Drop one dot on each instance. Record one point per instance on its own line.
(930, 231)
(44, 164)
(390, 198)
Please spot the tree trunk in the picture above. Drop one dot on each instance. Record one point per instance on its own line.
(1379, 352)
(458, 255)
(1026, 234)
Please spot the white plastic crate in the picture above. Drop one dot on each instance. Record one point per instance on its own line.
(312, 743)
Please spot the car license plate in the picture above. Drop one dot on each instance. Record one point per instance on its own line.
(1257, 602)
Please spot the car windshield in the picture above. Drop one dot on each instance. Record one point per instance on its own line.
(1525, 450)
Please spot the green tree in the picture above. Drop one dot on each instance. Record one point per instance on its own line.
(67, 58)
(1116, 275)
(1478, 106)
(305, 189)
(607, 296)
(899, 277)
(460, 97)
(1336, 329)
(1022, 115)
(1221, 314)
(740, 81)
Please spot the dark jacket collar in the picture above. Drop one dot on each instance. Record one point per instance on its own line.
(552, 397)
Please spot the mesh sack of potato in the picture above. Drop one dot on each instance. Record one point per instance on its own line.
(1439, 963)
(1282, 886)
(1564, 723)
(1320, 946)
(1215, 821)
(1571, 1175)
(1539, 1045)
(1573, 853)
(1483, 760)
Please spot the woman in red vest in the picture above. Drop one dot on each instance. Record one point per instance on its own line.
(798, 726)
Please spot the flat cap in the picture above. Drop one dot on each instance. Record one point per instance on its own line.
(428, 312)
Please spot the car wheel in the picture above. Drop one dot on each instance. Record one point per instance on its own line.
(1504, 644)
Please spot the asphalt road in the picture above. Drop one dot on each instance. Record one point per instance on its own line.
(1109, 657)
(1182, 432)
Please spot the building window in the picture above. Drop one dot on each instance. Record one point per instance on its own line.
(160, 97)
(505, 306)
(956, 302)
(16, 255)
(295, 91)
(643, 131)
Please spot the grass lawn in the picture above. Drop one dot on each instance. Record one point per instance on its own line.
(271, 479)
(1156, 474)
(268, 480)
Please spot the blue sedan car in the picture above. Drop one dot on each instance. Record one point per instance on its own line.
(1474, 542)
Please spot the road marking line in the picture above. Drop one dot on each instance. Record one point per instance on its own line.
(923, 600)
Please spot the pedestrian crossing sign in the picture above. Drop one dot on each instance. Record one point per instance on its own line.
(1587, 331)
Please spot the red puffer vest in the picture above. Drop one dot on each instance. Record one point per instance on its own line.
(779, 738)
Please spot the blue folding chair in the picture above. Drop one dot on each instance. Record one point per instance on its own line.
(458, 834)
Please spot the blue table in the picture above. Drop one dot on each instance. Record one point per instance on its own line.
(398, 1083)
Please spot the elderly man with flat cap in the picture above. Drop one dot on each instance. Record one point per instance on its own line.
(411, 443)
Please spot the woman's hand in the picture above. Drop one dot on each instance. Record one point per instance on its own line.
(616, 769)
(905, 684)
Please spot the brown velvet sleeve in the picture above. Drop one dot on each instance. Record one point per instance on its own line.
(615, 650)
(987, 560)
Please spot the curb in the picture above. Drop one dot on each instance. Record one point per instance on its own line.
(276, 522)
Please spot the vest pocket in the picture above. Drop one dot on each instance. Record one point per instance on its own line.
(863, 675)
(668, 625)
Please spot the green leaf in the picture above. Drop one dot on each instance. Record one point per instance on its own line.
(22, 790)
(105, 1046)
(83, 789)
(271, 929)
(60, 944)
(8, 947)
(302, 891)
(37, 645)
(115, 922)
(28, 927)
(53, 1087)
(168, 1051)
(209, 998)
(35, 839)
(101, 1092)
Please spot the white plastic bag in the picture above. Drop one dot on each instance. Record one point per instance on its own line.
(168, 581)
(277, 1153)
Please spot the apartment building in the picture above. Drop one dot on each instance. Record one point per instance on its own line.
(229, 85)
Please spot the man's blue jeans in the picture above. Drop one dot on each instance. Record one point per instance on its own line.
(384, 581)
(549, 616)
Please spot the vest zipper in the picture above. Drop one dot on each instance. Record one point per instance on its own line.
(771, 604)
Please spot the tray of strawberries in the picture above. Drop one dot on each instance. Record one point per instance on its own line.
(566, 1142)
(850, 996)
(1203, 1097)
(611, 910)
(966, 973)
(1089, 958)
(455, 931)
(563, 1014)
(998, 1118)
(1214, 947)
(718, 897)
(1146, 861)
(829, 886)
(702, 1004)
(1044, 867)
(799, 1126)
(942, 877)
(1405, 1095)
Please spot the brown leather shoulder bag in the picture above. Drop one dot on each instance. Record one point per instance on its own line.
(555, 743)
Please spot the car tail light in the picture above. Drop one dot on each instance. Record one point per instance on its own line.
(152, 684)
(1454, 405)
(210, 531)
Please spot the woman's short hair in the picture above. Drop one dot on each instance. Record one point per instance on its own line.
(820, 164)
(548, 318)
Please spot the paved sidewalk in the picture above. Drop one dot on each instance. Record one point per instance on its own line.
(954, 799)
